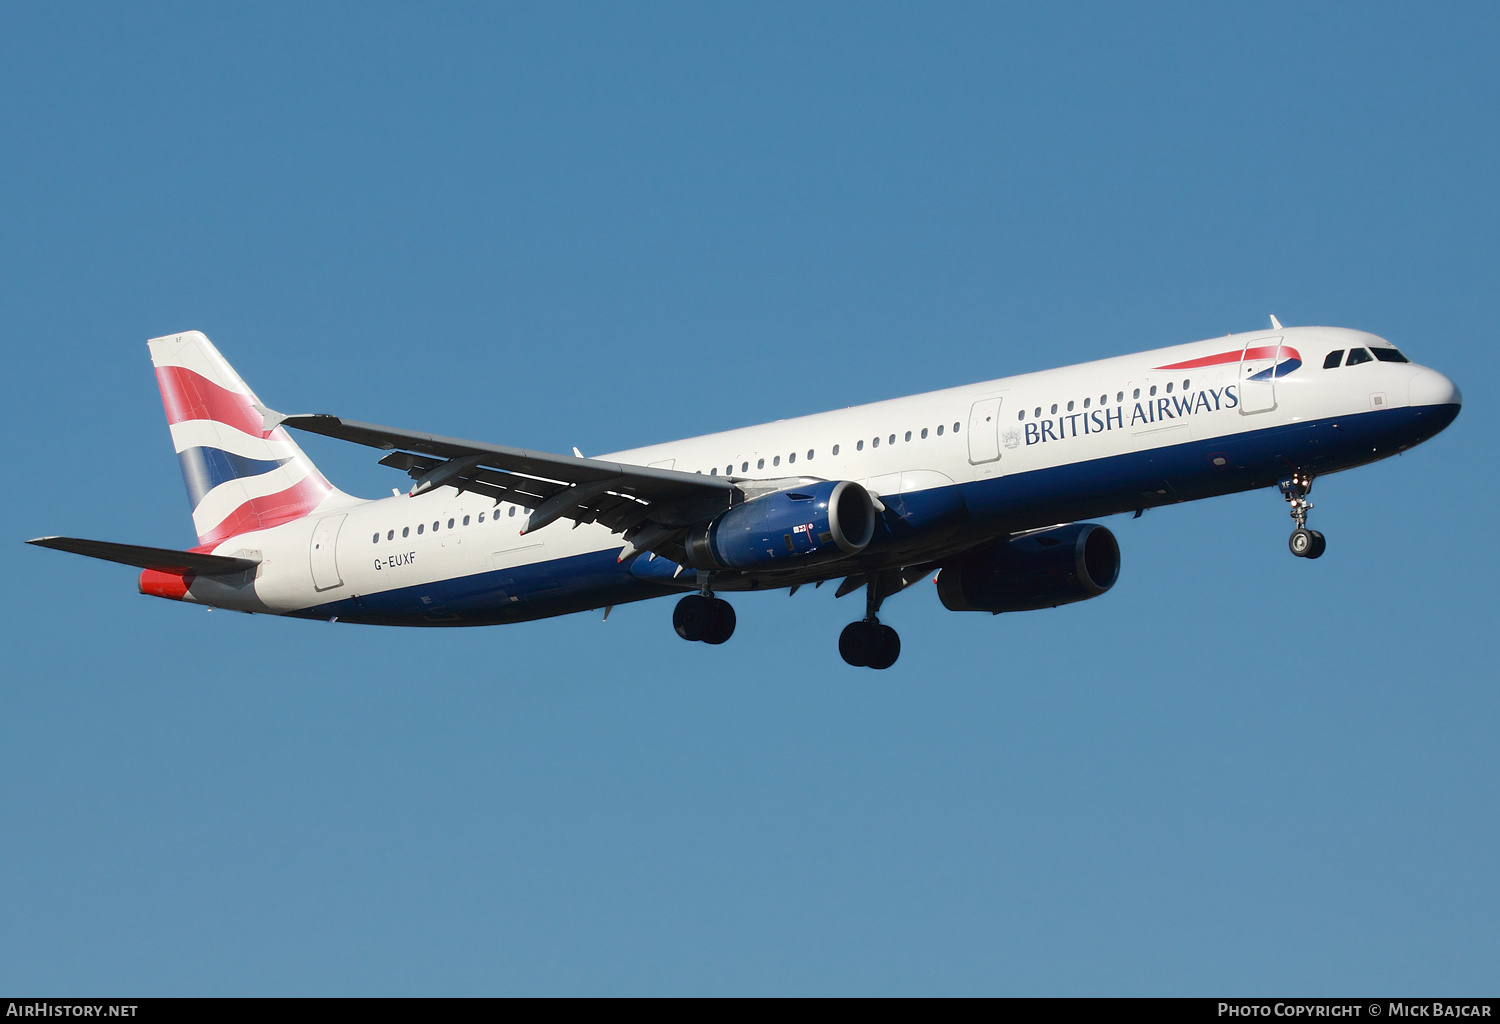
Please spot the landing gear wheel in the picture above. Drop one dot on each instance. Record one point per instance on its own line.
(692, 615)
(1301, 542)
(703, 618)
(722, 626)
(1318, 545)
(856, 644)
(869, 645)
(888, 647)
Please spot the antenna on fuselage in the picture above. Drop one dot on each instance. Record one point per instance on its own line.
(1275, 323)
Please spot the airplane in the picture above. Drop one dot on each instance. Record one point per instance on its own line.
(985, 487)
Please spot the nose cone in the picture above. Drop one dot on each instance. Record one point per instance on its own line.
(1429, 387)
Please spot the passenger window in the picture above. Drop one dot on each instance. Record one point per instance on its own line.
(1121, 396)
(744, 467)
(1333, 359)
(1169, 387)
(835, 449)
(434, 527)
(466, 520)
(420, 527)
(893, 439)
(729, 469)
(1054, 409)
(875, 443)
(1153, 390)
(481, 517)
(450, 525)
(791, 458)
(1086, 402)
(859, 446)
(908, 435)
(809, 454)
(1137, 393)
(940, 430)
(406, 531)
(375, 539)
(1390, 355)
(1185, 384)
(512, 510)
(760, 463)
(776, 461)
(714, 471)
(955, 428)
(1070, 406)
(1020, 416)
(1357, 356)
(390, 535)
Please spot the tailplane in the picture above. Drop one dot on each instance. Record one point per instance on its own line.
(239, 475)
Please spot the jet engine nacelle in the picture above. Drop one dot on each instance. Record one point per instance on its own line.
(1040, 570)
(798, 526)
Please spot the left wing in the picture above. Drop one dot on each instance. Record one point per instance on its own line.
(651, 507)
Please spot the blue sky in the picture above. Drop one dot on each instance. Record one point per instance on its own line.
(604, 226)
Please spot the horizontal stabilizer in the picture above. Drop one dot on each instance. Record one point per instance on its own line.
(182, 563)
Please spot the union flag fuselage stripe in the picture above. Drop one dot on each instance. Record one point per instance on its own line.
(1249, 354)
(203, 469)
(189, 396)
(271, 510)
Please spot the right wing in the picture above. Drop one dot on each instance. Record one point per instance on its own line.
(650, 507)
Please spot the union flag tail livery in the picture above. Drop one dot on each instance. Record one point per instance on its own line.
(966, 486)
(240, 476)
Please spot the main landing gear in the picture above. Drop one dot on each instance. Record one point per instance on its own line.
(1304, 543)
(868, 643)
(704, 617)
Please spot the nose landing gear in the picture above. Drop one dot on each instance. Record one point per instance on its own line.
(704, 617)
(1304, 543)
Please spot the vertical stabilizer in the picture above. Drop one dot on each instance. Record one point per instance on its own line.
(240, 476)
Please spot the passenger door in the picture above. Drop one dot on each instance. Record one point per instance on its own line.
(984, 431)
(1257, 382)
(325, 566)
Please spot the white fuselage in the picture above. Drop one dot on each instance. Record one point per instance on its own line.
(992, 439)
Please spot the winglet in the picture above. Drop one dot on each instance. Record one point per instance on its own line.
(1275, 323)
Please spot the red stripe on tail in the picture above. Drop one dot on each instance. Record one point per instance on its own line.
(189, 396)
(272, 510)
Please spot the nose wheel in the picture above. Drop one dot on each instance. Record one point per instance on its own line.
(704, 617)
(1304, 543)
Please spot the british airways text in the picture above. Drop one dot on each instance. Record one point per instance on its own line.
(1154, 410)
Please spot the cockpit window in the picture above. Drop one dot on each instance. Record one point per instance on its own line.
(1334, 358)
(1390, 355)
(1357, 356)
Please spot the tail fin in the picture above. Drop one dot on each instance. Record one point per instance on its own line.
(240, 476)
